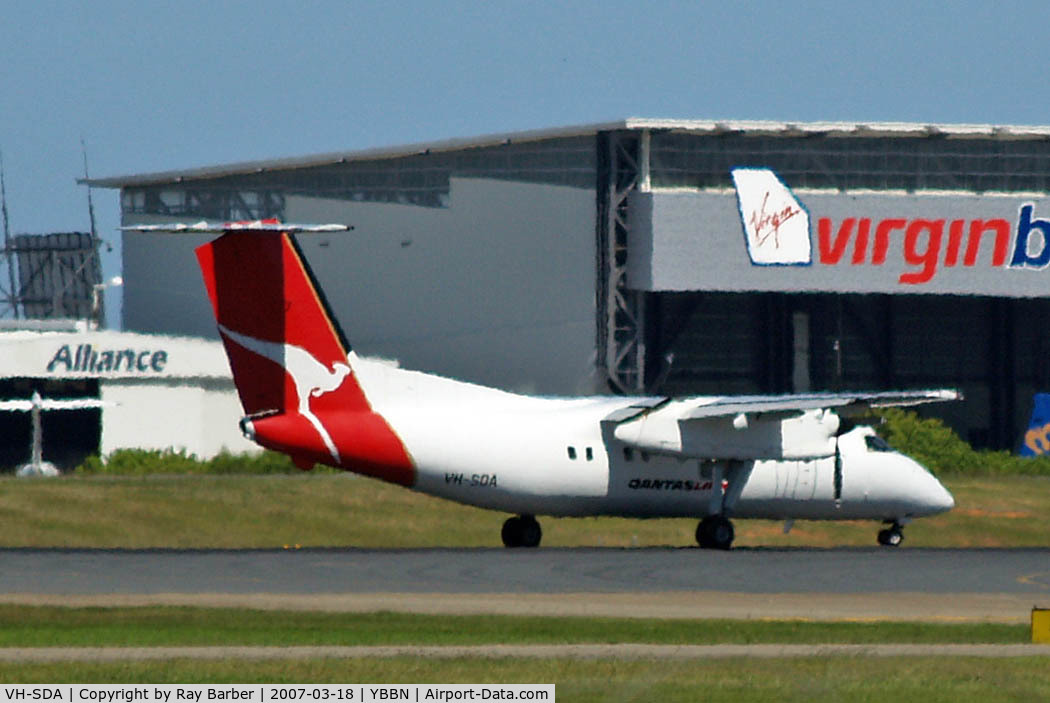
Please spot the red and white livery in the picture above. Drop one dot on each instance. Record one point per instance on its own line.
(307, 394)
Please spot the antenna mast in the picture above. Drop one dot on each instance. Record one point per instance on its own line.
(12, 294)
(97, 311)
(91, 205)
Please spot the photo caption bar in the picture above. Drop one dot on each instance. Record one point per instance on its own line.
(272, 693)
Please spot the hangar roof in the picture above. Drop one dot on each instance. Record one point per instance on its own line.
(862, 130)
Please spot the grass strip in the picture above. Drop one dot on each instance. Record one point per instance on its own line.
(41, 626)
(856, 679)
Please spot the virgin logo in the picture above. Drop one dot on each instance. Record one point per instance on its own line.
(766, 224)
(776, 226)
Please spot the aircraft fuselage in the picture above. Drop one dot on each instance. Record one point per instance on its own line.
(559, 456)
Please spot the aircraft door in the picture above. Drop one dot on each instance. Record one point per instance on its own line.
(806, 486)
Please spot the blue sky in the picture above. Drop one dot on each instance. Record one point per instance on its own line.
(154, 86)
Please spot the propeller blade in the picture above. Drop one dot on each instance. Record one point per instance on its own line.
(846, 424)
(837, 476)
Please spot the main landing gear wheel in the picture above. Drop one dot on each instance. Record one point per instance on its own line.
(715, 532)
(891, 536)
(522, 531)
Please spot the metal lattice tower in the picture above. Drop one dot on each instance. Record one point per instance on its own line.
(9, 293)
(623, 161)
(50, 275)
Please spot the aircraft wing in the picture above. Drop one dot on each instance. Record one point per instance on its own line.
(791, 404)
(798, 426)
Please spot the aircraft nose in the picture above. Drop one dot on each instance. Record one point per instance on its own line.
(936, 497)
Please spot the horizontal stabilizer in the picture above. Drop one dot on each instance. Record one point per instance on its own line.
(204, 227)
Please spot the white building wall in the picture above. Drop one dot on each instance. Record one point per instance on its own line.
(497, 288)
(163, 392)
(221, 413)
(198, 416)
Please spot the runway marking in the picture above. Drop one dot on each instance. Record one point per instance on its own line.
(525, 651)
(1041, 579)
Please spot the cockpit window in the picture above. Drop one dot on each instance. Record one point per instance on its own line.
(877, 444)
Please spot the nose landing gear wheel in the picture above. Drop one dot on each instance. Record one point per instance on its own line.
(891, 536)
(715, 532)
(522, 531)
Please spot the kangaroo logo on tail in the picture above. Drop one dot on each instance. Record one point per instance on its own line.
(277, 327)
(312, 378)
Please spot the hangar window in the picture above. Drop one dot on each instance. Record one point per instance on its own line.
(572, 452)
(421, 179)
(843, 163)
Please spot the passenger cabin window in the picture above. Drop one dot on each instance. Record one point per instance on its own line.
(572, 452)
(590, 454)
(877, 444)
(628, 454)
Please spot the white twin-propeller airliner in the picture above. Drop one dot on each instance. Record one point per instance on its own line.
(306, 394)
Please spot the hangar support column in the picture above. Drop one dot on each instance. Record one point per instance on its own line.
(623, 166)
(1002, 373)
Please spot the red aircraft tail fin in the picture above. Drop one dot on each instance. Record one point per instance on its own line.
(291, 363)
(269, 312)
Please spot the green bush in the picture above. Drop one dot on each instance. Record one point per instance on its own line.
(936, 446)
(139, 462)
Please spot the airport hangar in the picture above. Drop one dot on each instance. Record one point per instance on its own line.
(160, 392)
(614, 257)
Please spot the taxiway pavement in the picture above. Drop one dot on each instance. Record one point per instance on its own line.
(875, 583)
